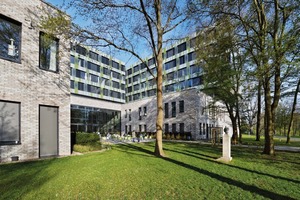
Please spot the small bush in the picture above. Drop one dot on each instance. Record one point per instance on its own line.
(83, 148)
(86, 138)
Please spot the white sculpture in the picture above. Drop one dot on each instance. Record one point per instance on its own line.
(226, 147)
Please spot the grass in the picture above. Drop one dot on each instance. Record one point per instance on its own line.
(250, 140)
(83, 148)
(130, 171)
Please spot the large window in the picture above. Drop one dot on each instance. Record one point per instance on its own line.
(91, 119)
(9, 122)
(10, 39)
(48, 52)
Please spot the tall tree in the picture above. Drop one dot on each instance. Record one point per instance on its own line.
(288, 137)
(222, 61)
(270, 31)
(134, 27)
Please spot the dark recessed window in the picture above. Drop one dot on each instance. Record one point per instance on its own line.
(182, 59)
(72, 84)
(182, 72)
(80, 74)
(9, 123)
(136, 68)
(48, 52)
(129, 71)
(10, 39)
(115, 84)
(170, 64)
(170, 52)
(174, 128)
(181, 106)
(191, 56)
(94, 78)
(166, 110)
(81, 50)
(151, 61)
(93, 89)
(166, 128)
(80, 86)
(94, 67)
(116, 75)
(181, 127)
(106, 71)
(115, 65)
(105, 60)
(182, 47)
(93, 55)
(173, 109)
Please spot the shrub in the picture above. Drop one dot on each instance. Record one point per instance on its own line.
(86, 138)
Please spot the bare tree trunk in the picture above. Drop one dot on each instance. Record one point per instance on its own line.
(258, 125)
(292, 114)
(160, 115)
(269, 127)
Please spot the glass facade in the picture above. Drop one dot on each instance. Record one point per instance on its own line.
(179, 72)
(96, 75)
(90, 119)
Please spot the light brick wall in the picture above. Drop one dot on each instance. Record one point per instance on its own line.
(25, 83)
(195, 112)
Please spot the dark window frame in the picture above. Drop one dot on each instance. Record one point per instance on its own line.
(19, 24)
(18, 142)
(56, 40)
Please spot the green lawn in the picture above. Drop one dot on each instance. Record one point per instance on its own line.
(279, 141)
(132, 172)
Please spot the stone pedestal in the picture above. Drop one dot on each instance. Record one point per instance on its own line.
(226, 148)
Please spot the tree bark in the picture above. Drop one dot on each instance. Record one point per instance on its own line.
(258, 125)
(292, 114)
(269, 127)
(160, 115)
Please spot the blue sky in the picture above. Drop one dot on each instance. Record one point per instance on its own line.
(125, 57)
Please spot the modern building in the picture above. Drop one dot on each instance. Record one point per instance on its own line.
(186, 109)
(34, 84)
(50, 87)
(97, 91)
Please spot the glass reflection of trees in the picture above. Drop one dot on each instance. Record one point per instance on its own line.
(10, 36)
(89, 119)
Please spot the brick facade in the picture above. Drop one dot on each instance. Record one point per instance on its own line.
(31, 86)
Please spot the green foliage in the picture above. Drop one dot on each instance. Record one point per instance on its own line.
(84, 148)
(132, 172)
(86, 138)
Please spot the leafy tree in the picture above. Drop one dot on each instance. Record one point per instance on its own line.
(134, 27)
(270, 34)
(222, 63)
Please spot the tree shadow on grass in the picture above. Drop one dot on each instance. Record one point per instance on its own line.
(246, 187)
(128, 146)
(190, 153)
(135, 147)
(18, 179)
